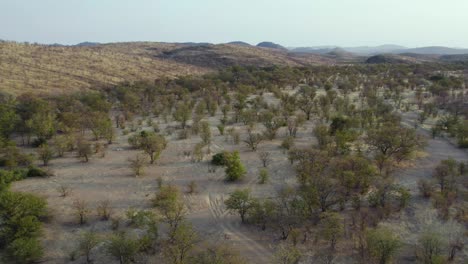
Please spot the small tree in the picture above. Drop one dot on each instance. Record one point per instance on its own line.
(84, 150)
(45, 154)
(205, 133)
(81, 211)
(264, 158)
(104, 210)
(87, 242)
(382, 244)
(332, 227)
(240, 202)
(253, 139)
(234, 169)
(153, 144)
(182, 113)
(123, 248)
(180, 244)
(263, 176)
(137, 164)
(287, 255)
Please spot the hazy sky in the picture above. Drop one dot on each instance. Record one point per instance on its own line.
(288, 22)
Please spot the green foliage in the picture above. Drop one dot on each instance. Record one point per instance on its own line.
(122, 247)
(182, 241)
(287, 255)
(240, 202)
(150, 142)
(86, 243)
(20, 226)
(332, 227)
(263, 176)
(234, 169)
(45, 153)
(382, 244)
(8, 118)
(219, 159)
(24, 250)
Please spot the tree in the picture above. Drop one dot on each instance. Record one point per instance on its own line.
(182, 113)
(287, 255)
(205, 133)
(392, 141)
(81, 211)
(262, 212)
(263, 176)
(306, 100)
(84, 149)
(332, 227)
(170, 205)
(234, 169)
(264, 158)
(42, 124)
(8, 118)
(86, 243)
(180, 244)
(253, 139)
(446, 174)
(153, 144)
(104, 210)
(137, 164)
(24, 250)
(240, 202)
(45, 154)
(382, 244)
(272, 123)
(430, 248)
(122, 247)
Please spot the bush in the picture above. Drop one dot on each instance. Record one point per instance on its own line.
(234, 169)
(263, 176)
(38, 142)
(36, 172)
(219, 159)
(24, 250)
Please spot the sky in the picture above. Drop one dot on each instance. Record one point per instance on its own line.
(291, 23)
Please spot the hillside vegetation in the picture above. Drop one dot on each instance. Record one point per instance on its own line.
(57, 69)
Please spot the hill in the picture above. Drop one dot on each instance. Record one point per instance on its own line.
(52, 69)
(271, 45)
(437, 50)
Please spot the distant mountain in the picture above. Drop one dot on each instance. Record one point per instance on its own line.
(387, 48)
(363, 50)
(384, 49)
(241, 43)
(271, 45)
(87, 44)
(438, 50)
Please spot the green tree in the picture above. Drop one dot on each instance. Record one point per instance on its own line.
(153, 144)
(122, 247)
(8, 118)
(45, 154)
(287, 255)
(240, 202)
(24, 250)
(383, 244)
(234, 169)
(331, 227)
(86, 243)
(182, 113)
(180, 244)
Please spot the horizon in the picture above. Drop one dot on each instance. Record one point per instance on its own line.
(229, 42)
(294, 23)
